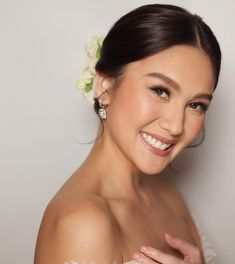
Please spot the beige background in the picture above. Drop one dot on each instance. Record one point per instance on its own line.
(42, 116)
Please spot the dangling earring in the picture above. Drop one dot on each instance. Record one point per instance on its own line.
(102, 112)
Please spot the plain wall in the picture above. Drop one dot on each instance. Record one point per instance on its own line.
(43, 116)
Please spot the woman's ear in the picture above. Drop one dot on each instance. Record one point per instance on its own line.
(102, 84)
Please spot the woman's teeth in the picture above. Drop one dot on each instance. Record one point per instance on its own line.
(155, 142)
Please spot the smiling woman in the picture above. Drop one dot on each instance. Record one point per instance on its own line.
(158, 68)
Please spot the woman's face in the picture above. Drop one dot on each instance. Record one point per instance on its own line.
(165, 96)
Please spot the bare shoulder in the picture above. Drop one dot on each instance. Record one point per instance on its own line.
(87, 231)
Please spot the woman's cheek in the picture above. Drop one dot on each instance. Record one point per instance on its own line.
(195, 128)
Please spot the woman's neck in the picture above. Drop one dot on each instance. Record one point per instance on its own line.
(117, 176)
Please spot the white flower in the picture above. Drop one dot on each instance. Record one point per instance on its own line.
(91, 64)
(87, 75)
(86, 79)
(93, 46)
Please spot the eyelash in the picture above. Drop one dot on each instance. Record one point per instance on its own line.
(159, 89)
(203, 107)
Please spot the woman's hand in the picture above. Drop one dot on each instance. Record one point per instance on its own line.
(191, 254)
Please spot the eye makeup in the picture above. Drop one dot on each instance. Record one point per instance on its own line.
(160, 90)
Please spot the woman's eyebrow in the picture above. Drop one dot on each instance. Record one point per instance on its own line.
(174, 84)
(165, 78)
(203, 96)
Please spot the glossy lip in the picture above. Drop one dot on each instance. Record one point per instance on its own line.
(162, 139)
(156, 151)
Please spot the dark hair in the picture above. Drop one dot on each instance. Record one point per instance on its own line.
(150, 29)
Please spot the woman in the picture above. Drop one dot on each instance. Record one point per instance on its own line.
(158, 68)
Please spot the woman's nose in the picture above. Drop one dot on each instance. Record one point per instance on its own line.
(173, 122)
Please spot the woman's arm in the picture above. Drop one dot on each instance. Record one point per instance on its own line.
(88, 234)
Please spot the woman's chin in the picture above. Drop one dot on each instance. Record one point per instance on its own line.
(152, 169)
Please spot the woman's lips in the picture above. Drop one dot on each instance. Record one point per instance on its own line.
(162, 139)
(154, 150)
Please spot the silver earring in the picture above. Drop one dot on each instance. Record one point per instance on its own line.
(102, 111)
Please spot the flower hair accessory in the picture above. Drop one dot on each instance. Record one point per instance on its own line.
(86, 79)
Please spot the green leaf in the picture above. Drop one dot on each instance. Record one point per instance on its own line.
(88, 87)
(98, 52)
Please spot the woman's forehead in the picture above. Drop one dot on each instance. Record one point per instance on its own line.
(183, 63)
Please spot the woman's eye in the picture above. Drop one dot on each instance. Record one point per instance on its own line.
(201, 107)
(161, 91)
